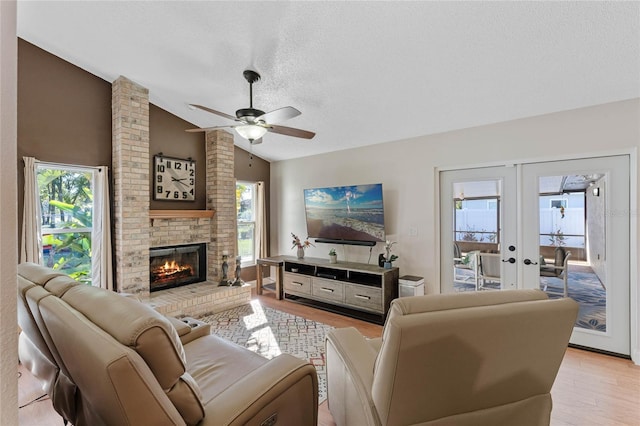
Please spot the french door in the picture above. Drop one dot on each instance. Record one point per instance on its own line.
(561, 226)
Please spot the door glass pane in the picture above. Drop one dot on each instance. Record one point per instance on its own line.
(572, 244)
(476, 235)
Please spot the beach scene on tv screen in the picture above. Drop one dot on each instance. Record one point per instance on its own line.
(345, 212)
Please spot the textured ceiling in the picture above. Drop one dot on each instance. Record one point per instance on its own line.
(360, 72)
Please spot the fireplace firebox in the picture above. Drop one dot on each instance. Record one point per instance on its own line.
(176, 266)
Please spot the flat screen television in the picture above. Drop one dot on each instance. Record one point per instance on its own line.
(345, 214)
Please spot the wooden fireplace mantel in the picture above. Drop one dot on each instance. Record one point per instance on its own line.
(180, 214)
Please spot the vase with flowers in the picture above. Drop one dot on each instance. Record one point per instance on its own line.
(300, 245)
(388, 257)
(333, 256)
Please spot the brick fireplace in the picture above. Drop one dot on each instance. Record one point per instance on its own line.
(137, 229)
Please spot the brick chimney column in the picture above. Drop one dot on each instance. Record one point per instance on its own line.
(130, 162)
(221, 197)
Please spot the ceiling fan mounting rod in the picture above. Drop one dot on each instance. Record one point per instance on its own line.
(251, 76)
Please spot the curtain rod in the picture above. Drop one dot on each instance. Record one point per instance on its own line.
(69, 166)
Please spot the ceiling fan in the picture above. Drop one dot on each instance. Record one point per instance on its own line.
(254, 123)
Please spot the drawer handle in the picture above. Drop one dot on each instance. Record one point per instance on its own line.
(328, 290)
(359, 296)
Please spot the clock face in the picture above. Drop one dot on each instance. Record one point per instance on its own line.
(174, 179)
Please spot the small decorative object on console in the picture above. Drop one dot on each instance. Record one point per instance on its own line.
(388, 257)
(300, 245)
(174, 179)
(333, 256)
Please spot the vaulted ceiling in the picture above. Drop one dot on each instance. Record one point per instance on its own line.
(361, 72)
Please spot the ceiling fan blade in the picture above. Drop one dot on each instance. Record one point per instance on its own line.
(279, 115)
(290, 131)
(213, 111)
(206, 129)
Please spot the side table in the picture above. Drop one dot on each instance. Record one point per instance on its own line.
(278, 262)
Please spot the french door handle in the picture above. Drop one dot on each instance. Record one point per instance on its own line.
(510, 260)
(529, 262)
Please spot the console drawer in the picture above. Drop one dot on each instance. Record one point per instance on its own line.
(295, 283)
(328, 289)
(369, 298)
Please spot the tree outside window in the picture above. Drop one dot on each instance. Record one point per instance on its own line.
(66, 205)
(246, 214)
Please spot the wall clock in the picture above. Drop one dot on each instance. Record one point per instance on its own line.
(174, 179)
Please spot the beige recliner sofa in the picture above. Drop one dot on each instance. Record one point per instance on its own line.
(106, 359)
(468, 359)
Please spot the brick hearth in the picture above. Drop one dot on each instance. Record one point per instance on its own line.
(135, 232)
(198, 299)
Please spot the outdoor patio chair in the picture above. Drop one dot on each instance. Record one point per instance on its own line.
(489, 270)
(465, 268)
(557, 269)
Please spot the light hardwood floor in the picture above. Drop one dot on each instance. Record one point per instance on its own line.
(591, 389)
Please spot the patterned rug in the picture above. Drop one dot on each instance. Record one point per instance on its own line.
(269, 332)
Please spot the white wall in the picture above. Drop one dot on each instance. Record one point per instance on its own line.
(408, 168)
(9, 224)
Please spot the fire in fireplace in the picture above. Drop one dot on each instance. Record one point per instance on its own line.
(176, 266)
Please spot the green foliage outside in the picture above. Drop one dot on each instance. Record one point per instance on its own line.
(66, 202)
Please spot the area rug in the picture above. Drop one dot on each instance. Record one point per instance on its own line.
(269, 332)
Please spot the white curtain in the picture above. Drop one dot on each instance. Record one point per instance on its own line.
(261, 222)
(31, 240)
(101, 266)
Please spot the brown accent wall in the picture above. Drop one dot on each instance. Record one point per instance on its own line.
(64, 113)
(167, 136)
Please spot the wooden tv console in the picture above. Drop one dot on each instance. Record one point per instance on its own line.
(356, 289)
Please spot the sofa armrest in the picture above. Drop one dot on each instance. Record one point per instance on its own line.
(350, 364)
(189, 329)
(285, 390)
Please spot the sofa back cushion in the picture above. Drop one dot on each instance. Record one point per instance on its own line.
(37, 274)
(440, 363)
(150, 335)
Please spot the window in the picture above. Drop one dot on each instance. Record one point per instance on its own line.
(66, 220)
(246, 209)
(476, 220)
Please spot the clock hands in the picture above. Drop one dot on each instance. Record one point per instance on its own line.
(173, 179)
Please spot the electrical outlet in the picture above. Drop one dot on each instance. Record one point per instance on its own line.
(413, 231)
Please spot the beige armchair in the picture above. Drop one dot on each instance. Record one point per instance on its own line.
(465, 359)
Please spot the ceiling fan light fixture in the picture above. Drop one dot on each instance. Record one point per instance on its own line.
(251, 132)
